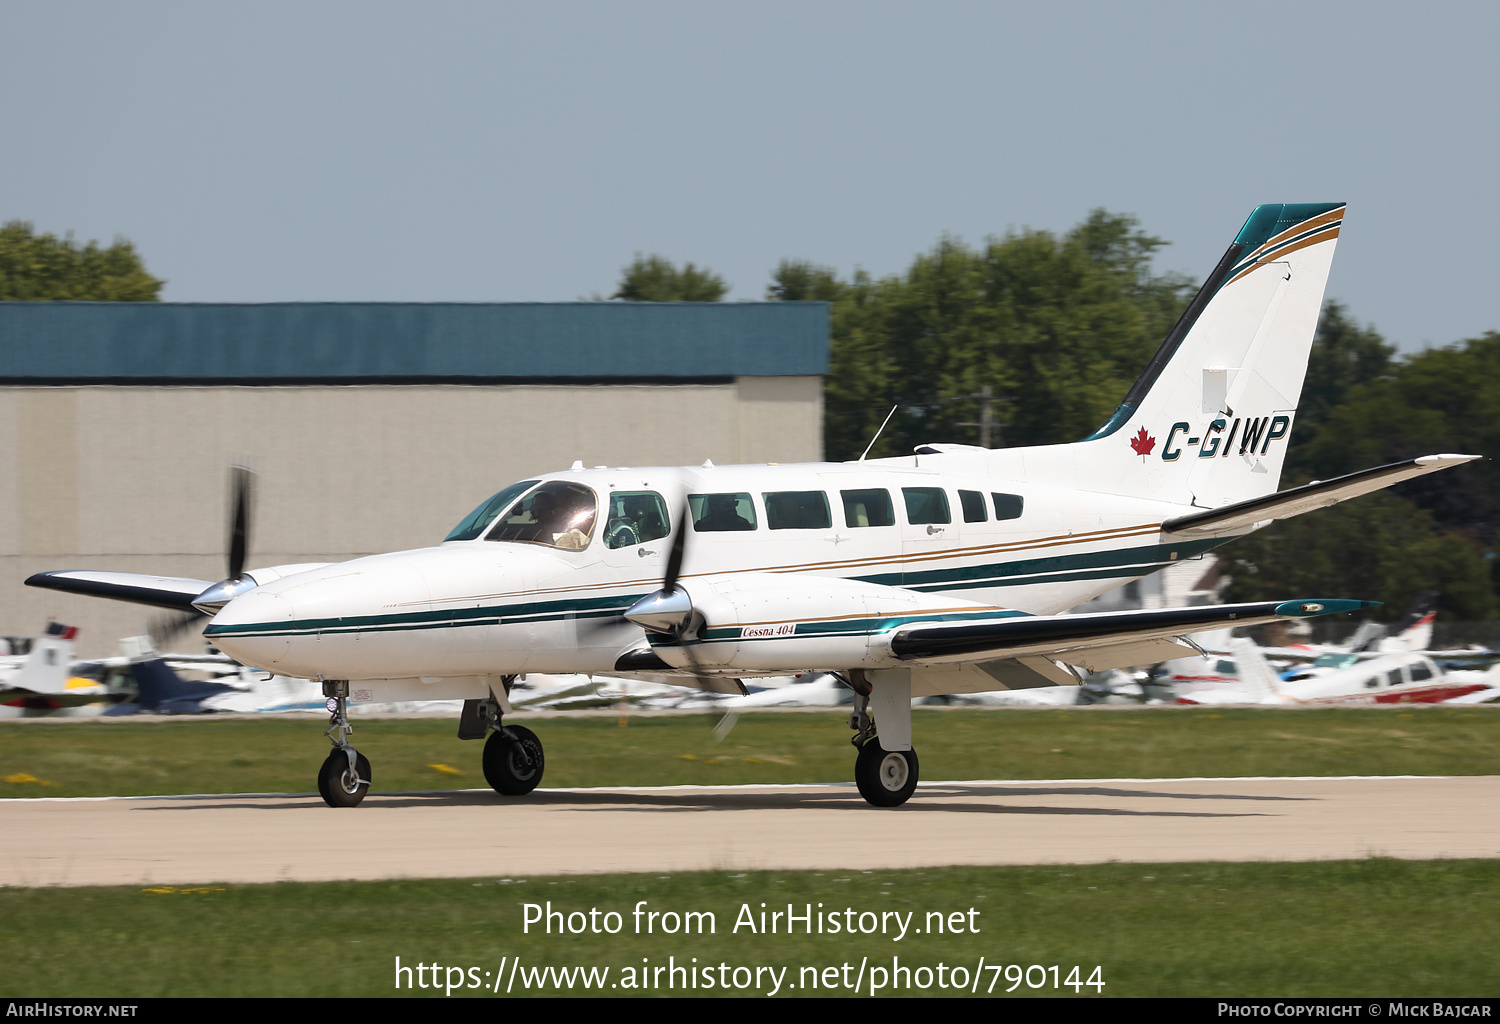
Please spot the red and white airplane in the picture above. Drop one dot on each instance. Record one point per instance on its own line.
(1398, 678)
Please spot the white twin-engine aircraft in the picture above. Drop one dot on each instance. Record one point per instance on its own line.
(941, 572)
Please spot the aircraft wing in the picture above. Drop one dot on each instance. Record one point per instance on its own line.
(1318, 494)
(173, 592)
(1088, 638)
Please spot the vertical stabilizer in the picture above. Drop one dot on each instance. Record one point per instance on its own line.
(1209, 421)
(1257, 680)
(47, 668)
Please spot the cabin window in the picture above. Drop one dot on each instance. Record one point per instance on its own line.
(926, 505)
(1394, 675)
(1007, 506)
(1420, 671)
(797, 510)
(557, 514)
(973, 506)
(475, 522)
(635, 517)
(721, 513)
(1372, 682)
(868, 508)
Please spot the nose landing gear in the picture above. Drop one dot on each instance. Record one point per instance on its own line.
(344, 778)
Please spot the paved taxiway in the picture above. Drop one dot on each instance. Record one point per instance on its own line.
(260, 838)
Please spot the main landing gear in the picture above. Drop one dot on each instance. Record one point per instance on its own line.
(344, 778)
(886, 778)
(513, 757)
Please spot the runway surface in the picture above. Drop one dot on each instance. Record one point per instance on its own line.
(264, 838)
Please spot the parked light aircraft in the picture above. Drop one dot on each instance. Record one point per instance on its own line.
(1398, 678)
(42, 679)
(940, 572)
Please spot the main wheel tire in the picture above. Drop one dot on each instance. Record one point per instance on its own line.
(886, 778)
(513, 767)
(335, 784)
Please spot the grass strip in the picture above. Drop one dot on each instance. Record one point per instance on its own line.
(1341, 928)
(212, 754)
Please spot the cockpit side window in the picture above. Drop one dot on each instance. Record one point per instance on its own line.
(475, 522)
(635, 517)
(558, 514)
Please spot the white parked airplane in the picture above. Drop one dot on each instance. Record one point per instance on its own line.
(940, 572)
(1398, 678)
(42, 679)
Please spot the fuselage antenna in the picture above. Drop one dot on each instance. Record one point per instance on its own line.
(877, 433)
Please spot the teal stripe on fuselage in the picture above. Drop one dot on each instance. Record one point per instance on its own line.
(1116, 563)
(536, 611)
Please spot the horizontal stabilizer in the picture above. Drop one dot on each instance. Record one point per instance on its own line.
(172, 592)
(1056, 635)
(1242, 515)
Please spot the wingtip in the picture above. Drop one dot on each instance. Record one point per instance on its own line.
(1322, 606)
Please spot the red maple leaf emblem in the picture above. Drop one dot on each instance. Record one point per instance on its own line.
(1142, 442)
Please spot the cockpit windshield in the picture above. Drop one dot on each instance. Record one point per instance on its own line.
(475, 522)
(558, 514)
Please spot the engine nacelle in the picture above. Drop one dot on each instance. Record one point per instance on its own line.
(762, 622)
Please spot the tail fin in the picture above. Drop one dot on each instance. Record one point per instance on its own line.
(48, 666)
(1256, 676)
(1212, 415)
(1414, 631)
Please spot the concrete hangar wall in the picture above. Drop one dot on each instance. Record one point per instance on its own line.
(370, 426)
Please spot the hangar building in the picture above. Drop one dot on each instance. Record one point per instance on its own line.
(370, 426)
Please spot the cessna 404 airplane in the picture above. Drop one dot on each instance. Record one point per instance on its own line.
(936, 573)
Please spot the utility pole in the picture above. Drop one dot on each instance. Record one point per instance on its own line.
(987, 425)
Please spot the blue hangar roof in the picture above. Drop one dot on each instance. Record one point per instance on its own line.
(150, 342)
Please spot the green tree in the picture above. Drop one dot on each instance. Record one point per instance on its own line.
(1431, 533)
(1344, 356)
(1441, 400)
(655, 279)
(800, 281)
(1378, 547)
(43, 267)
(1058, 327)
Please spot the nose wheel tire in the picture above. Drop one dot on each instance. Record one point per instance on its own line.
(886, 778)
(513, 763)
(340, 788)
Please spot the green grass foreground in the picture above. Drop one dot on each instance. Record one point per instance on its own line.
(1345, 928)
(281, 754)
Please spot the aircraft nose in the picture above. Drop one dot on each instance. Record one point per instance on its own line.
(255, 629)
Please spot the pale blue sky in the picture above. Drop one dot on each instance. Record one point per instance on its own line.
(514, 152)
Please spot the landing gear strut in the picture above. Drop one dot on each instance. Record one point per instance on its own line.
(344, 778)
(886, 778)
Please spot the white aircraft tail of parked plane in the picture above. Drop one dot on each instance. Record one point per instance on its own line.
(939, 572)
(42, 679)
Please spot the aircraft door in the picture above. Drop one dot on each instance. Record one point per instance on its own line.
(637, 533)
(929, 526)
